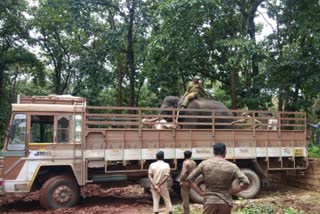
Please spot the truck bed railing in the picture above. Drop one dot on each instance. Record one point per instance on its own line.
(132, 118)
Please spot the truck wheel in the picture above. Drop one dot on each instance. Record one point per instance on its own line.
(254, 186)
(146, 190)
(195, 197)
(59, 192)
(252, 190)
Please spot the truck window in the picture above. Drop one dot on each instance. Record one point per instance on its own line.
(17, 134)
(77, 128)
(42, 129)
(63, 129)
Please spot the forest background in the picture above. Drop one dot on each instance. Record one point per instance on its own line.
(136, 52)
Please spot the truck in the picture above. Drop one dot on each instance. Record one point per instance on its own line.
(58, 144)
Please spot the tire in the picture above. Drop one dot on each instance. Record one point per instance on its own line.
(145, 183)
(59, 192)
(176, 188)
(146, 190)
(254, 186)
(252, 190)
(195, 197)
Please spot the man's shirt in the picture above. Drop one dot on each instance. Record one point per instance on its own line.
(188, 166)
(159, 170)
(218, 175)
(196, 87)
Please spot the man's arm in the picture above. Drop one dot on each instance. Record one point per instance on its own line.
(191, 178)
(154, 186)
(188, 89)
(150, 176)
(196, 188)
(244, 182)
(184, 171)
(204, 91)
(164, 179)
(239, 121)
(257, 121)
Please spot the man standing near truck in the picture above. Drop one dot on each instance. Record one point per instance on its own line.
(188, 166)
(159, 173)
(218, 175)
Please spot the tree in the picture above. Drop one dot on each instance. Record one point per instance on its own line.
(126, 28)
(211, 38)
(293, 66)
(58, 38)
(13, 37)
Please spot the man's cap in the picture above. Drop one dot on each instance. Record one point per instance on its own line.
(196, 77)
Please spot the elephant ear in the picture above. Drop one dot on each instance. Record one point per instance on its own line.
(170, 102)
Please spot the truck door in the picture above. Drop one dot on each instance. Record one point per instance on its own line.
(55, 144)
(13, 154)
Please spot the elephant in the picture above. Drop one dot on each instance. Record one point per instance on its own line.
(199, 103)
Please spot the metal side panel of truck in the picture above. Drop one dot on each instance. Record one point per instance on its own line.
(56, 144)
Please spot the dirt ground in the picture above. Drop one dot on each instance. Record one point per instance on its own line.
(133, 200)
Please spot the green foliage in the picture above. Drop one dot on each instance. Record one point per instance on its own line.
(208, 38)
(177, 209)
(314, 151)
(266, 208)
(294, 53)
(254, 209)
(291, 210)
(16, 61)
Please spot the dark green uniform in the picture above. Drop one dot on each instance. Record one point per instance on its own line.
(218, 175)
(187, 167)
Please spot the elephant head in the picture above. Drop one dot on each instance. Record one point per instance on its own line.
(169, 102)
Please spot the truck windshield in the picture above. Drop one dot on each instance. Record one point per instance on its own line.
(17, 134)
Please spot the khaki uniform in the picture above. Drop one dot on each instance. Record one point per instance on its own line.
(247, 123)
(187, 167)
(194, 90)
(159, 170)
(218, 175)
(272, 124)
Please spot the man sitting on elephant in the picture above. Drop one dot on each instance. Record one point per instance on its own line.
(194, 90)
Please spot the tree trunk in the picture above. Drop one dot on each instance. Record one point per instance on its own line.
(280, 102)
(130, 56)
(1, 83)
(233, 90)
(252, 33)
(120, 79)
(57, 81)
(3, 100)
(296, 97)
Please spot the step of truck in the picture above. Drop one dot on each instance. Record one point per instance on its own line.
(109, 178)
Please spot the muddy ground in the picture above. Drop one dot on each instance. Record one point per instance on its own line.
(133, 200)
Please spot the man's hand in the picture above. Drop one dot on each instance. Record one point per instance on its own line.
(196, 188)
(237, 189)
(156, 188)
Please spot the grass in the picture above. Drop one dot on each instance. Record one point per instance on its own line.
(314, 151)
(177, 209)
